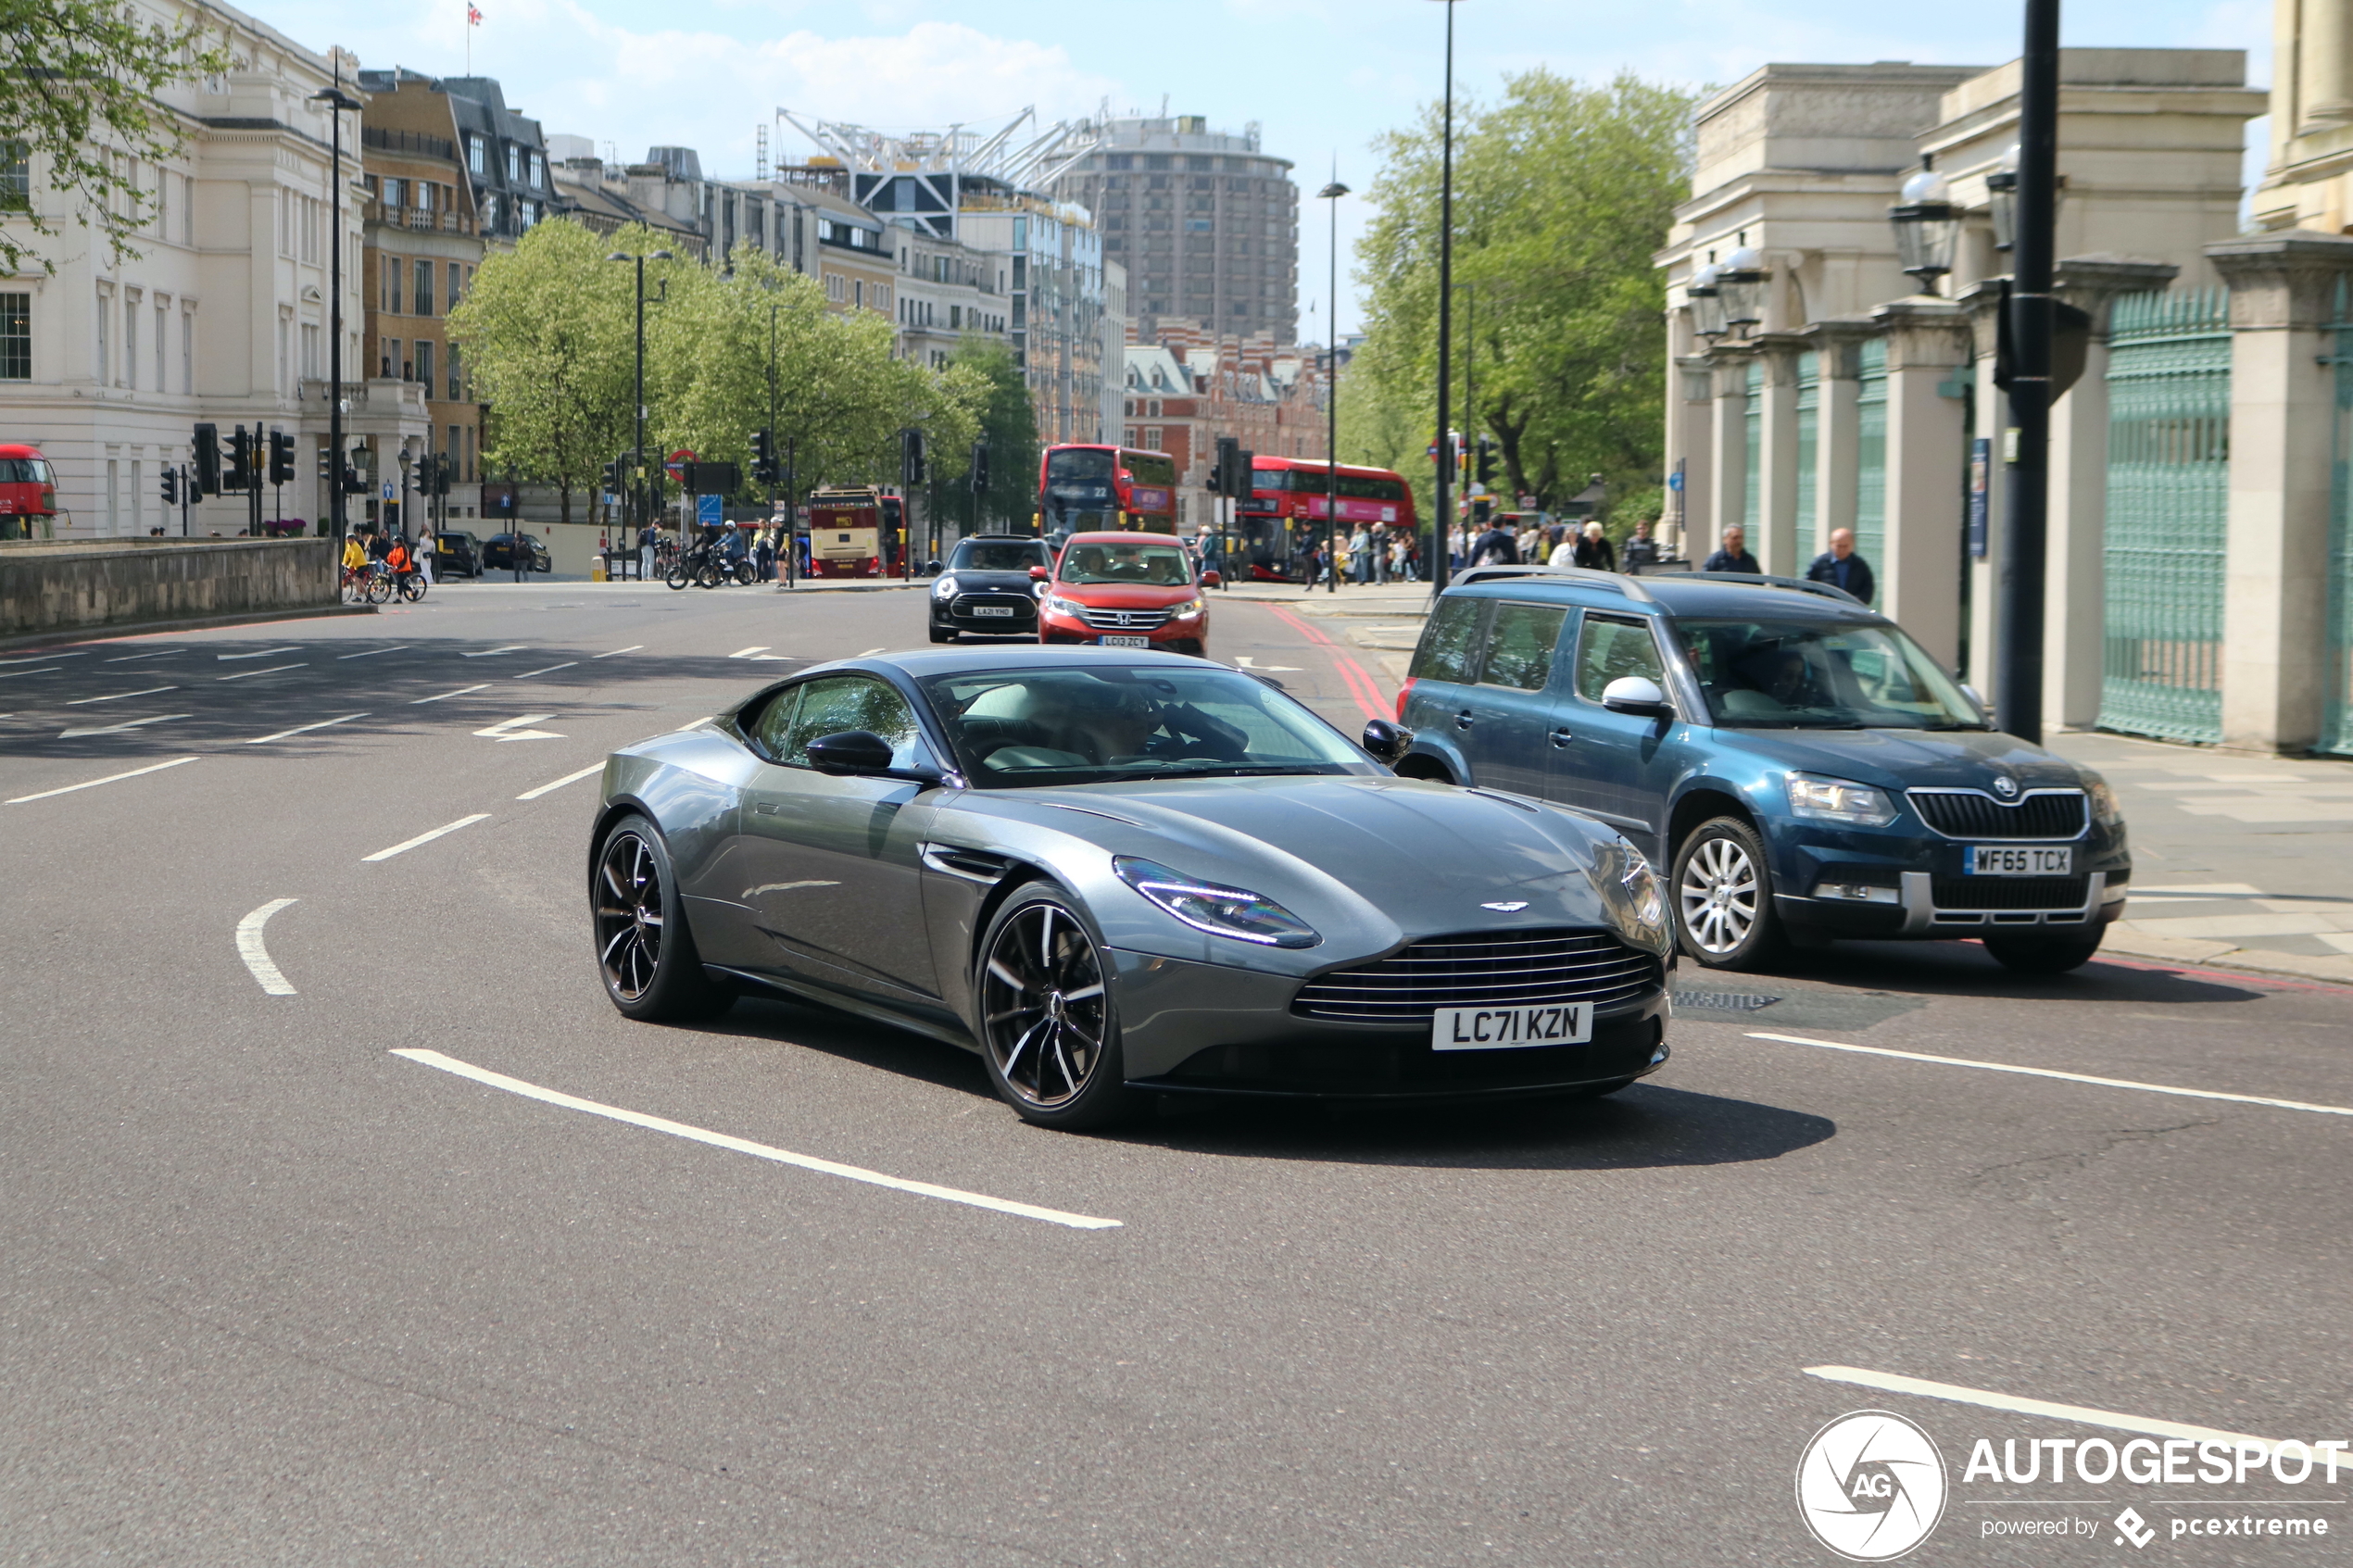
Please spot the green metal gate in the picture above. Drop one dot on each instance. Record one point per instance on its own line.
(1752, 511)
(1870, 457)
(1810, 432)
(2337, 698)
(2169, 468)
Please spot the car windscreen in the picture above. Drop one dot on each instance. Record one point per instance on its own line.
(1080, 473)
(1795, 674)
(1150, 566)
(973, 555)
(1101, 722)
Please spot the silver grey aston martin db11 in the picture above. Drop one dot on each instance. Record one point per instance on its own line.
(1115, 875)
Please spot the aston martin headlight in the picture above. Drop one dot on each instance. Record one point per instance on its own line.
(1644, 893)
(1838, 800)
(1220, 911)
(944, 589)
(2106, 809)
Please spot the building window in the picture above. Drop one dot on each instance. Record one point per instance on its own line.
(475, 157)
(514, 164)
(311, 350)
(456, 381)
(424, 364)
(163, 383)
(105, 358)
(424, 288)
(114, 499)
(393, 267)
(187, 352)
(391, 357)
(131, 344)
(16, 337)
(457, 280)
(1152, 437)
(16, 177)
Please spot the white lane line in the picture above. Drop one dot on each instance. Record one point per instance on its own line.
(758, 1151)
(370, 653)
(118, 696)
(249, 674)
(110, 778)
(631, 649)
(554, 784)
(159, 653)
(549, 670)
(117, 729)
(870, 653)
(306, 729)
(256, 957)
(37, 659)
(403, 848)
(264, 653)
(1894, 1383)
(460, 692)
(45, 669)
(485, 653)
(747, 653)
(2068, 1077)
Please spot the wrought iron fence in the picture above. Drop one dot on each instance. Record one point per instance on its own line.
(2168, 464)
(1871, 455)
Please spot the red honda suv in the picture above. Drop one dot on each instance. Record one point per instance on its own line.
(1126, 591)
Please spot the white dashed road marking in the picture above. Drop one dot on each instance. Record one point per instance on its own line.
(554, 784)
(249, 674)
(256, 957)
(263, 653)
(461, 691)
(306, 729)
(110, 778)
(1893, 1383)
(485, 653)
(406, 845)
(631, 649)
(117, 729)
(549, 670)
(757, 1150)
(118, 696)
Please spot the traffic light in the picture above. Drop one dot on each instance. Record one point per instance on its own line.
(281, 457)
(355, 473)
(1233, 463)
(910, 460)
(980, 467)
(171, 488)
(326, 461)
(238, 475)
(437, 475)
(763, 458)
(1223, 465)
(611, 481)
(207, 444)
(1487, 459)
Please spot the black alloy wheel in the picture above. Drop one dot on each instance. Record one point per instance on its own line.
(679, 575)
(1723, 893)
(1049, 1032)
(2042, 955)
(645, 949)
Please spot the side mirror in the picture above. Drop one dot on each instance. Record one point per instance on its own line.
(1037, 574)
(1637, 694)
(852, 751)
(1212, 580)
(1386, 741)
(1983, 705)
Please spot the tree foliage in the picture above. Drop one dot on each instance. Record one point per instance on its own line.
(548, 332)
(78, 85)
(1009, 425)
(1562, 193)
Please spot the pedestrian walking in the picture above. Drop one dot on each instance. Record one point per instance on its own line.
(1592, 549)
(764, 555)
(1564, 552)
(1732, 554)
(1495, 548)
(1841, 567)
(1641, 550)
(424, 553)
(1360, 555)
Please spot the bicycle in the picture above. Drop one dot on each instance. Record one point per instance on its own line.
(354, 587)
(410, 585)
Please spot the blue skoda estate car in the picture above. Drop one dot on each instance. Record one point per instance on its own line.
(1803, 769)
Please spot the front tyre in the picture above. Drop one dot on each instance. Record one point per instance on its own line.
(2028, 955)
(678, 577)
(1048, 1028)
(1724, 897)
(645, 949)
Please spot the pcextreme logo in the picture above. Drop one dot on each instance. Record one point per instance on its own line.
(1870, 1485)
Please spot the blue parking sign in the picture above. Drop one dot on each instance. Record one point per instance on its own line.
(709, 510)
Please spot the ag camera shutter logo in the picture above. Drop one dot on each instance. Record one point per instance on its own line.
(1870, 1485)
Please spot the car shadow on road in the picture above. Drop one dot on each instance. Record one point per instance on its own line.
(1966, 968)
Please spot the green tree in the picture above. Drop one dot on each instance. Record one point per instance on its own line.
(78, 85)
(1010, 426)
(1562, 192)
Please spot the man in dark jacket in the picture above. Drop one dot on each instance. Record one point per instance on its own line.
(1495, 548)
(1841, 567)
(1733, 556)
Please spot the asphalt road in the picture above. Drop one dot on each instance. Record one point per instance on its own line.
(272, 1293)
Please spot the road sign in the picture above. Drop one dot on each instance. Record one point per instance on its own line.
(1675, 480)
(389, 496)
(676, 467)
(711, 510)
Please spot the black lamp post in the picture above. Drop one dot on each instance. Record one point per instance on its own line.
(337, 101)
(1928, 225)
(2018, 655)
(1332, 192)
(1442, 520)
(638, 452)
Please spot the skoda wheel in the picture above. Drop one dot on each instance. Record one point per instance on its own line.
(1049, 1032)
(645, 950)
(1724, 897)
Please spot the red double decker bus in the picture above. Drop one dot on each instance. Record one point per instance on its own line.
(28, 492)
(1091, 489)
(1283, 520)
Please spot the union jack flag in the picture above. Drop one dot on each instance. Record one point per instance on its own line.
(473, 17)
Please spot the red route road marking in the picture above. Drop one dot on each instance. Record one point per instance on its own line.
(1358, 680)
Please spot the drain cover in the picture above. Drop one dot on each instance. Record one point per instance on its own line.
(1723, 1001)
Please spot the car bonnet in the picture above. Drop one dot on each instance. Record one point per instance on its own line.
(1907, 758)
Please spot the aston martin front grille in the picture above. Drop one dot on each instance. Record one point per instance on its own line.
(1483, 969)
(2056, 814)
(1126, 619)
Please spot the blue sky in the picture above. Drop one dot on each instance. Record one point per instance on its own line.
(1324, 78)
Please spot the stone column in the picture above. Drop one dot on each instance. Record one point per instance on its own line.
(1773, 533)
(1730, 458)
(1692, 416)
(2075, 589)
(1919, 579)
(2324, 66)
(1838, 430)
(2283, 410)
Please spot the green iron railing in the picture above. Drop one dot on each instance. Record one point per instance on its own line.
(1870, 457)
(2169, 467)
(1809, 429)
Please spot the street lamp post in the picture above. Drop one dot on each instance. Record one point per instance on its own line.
(2018, 657)
(337, 101)
(1442, 523)
(1332, 192)
(637, 449)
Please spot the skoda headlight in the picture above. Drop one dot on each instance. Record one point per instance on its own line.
(1221, 911)
(2106, 809)
(944, 589)
(1839, 800)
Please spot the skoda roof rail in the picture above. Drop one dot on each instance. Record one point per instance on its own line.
(1827, 590)
(1610, 579)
